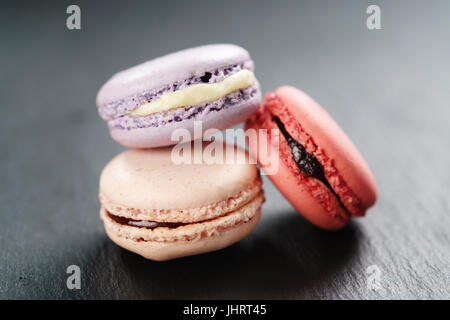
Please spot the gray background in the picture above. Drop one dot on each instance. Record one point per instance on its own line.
(389, 90)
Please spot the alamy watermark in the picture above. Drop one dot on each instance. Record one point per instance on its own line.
(74, 280)
(213, 146)
(73, 21)
(373, 21)
(374, 281)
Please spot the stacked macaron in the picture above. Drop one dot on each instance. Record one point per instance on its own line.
(213, 84)
(162, 209)
(150, 204)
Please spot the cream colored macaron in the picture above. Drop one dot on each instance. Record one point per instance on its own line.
(162, 209)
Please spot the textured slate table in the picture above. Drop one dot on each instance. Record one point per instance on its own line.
(389, 89)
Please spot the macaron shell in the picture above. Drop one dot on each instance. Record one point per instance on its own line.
(294, 191)
(329, 136)
(161, 251)
(148, 178)
(170, 68)
(152, 137)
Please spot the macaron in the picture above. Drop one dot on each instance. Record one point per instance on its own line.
(214, 84)
(320, 171)
(162, 209)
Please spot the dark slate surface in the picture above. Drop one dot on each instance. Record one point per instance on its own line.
(389, 89)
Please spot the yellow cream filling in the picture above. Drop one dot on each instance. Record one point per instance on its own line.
(197, 94)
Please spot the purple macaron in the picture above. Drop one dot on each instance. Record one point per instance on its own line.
(213, 84)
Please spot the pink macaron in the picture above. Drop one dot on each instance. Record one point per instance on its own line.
(162, 209)
(321, 173)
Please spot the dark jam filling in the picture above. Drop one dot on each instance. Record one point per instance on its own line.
(306, 162)
(205, 78)
(144, 224)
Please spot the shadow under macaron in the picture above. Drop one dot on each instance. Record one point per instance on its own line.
(284, 258)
